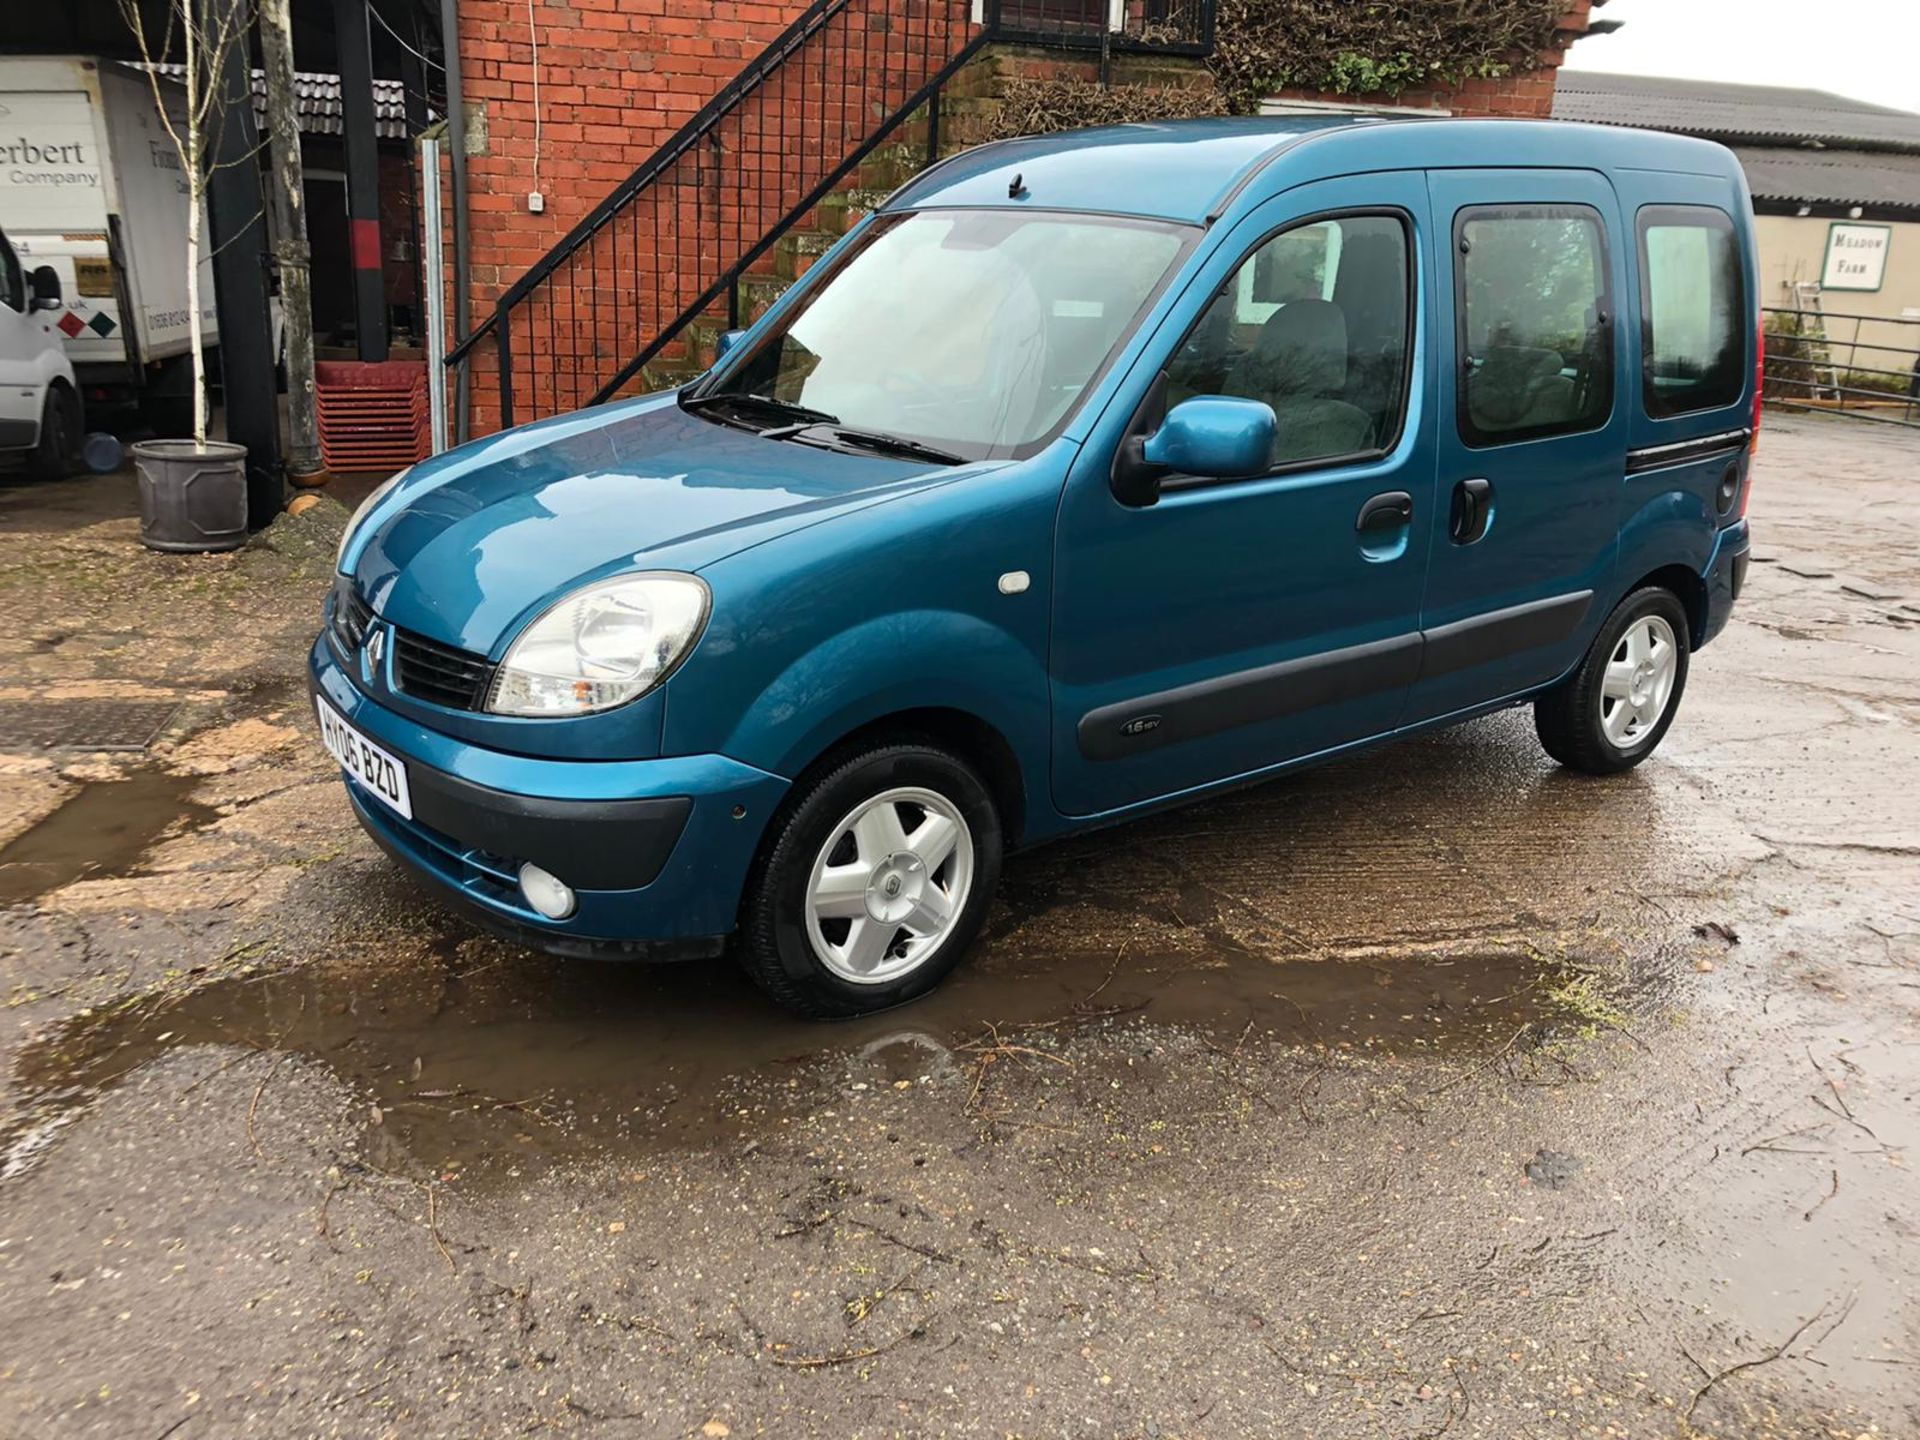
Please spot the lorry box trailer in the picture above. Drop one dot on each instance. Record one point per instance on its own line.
(92, 184)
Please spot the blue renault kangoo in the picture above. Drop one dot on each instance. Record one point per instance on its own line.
(1089, 475)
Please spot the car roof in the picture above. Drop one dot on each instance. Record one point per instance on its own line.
(1192, 171)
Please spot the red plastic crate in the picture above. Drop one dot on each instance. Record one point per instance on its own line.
(372, 414)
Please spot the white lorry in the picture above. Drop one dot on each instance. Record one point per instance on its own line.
(92, 186)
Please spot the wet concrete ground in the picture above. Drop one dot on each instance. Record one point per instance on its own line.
(1436, 1092)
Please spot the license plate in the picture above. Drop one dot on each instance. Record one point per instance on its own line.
(377, 772)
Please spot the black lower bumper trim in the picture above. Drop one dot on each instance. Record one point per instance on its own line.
(571, 947)
(590, 844)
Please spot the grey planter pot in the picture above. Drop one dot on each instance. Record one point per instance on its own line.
(192, 497)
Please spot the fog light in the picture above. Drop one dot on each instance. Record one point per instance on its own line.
(548, 894)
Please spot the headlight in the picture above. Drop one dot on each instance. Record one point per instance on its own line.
(601, 646)
(366, 508)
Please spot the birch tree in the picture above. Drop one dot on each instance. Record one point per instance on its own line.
(205, 32)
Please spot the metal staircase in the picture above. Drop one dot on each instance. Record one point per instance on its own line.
(674, 241)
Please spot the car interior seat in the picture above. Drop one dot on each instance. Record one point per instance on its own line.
(1298, 365)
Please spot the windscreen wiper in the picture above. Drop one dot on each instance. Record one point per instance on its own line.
(764, 405)
(881, 443)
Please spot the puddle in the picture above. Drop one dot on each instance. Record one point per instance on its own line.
(102, 831)
(486, 1061)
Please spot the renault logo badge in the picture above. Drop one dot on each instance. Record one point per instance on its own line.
(376, 647)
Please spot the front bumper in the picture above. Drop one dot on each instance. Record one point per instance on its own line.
(1726, 576)
(657, 851)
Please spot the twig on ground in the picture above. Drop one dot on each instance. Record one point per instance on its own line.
(1112, 971)
(1486, 1064)
(892, 1239)
(1826, 1197)
(322, 1227)
(433, 1225)
(253, 1107)
(845, 1357)
(1845, 1108)
(1771, 1142)
(1778, 1352)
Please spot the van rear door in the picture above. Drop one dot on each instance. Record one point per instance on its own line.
(1532, 432)
(1690, 405)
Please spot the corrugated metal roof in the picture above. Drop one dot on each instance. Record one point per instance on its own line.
(1832, 177)
(1733, 112)
(317, 102)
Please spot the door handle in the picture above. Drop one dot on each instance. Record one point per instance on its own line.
(1390, 511)
(1472, 508)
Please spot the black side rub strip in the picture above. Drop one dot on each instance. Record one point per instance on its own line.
(1207, 707)
(1500, 633)
(1654, 457)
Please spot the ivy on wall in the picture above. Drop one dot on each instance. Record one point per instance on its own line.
(1373, 47)
(1348, 47)
(1042, 106)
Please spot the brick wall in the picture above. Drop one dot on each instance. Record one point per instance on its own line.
(617, 78)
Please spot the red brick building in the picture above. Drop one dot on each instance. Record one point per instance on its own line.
(746, 117)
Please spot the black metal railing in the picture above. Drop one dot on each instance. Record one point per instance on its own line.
(1176, 27)
(1809, 367)
(677, 238)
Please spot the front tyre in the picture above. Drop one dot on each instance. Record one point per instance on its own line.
(874, 880)
(1614, 710)
(57, 454)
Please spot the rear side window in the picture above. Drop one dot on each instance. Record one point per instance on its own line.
(1531, 292)
(1692, 335)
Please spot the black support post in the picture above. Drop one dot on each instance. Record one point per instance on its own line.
(413, 84)
(363, 175)
(237, 231)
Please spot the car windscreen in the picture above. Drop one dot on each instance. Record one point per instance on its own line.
(974, 332)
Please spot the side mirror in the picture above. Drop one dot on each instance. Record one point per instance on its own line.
(44, 282)
(1213, 435)
(728, 339)
(1218, 436)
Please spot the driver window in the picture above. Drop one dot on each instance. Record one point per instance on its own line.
(1314, 322)
(13, 287)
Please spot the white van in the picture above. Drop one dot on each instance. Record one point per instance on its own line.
(40, 414)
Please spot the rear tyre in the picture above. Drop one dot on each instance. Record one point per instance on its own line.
(58, 453)
(1614, 710)
(873, 880)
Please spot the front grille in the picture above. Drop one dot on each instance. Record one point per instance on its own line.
(351, 616)
(439, 674)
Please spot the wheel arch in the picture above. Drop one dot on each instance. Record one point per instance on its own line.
(964, 734)
(1689, 588)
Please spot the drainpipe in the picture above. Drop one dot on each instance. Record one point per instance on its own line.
(457, 144)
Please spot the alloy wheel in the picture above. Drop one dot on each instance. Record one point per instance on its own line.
(1638, 683)
(889, 884)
